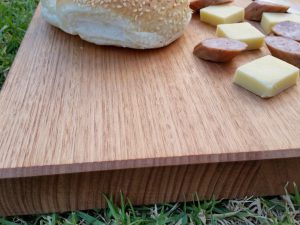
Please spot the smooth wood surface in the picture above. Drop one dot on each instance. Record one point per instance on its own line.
(69, 106)
(59, 193)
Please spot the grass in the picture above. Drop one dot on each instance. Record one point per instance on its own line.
(282, 210)
(14, 18)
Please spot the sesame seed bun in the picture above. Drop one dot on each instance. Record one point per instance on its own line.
(140, 24)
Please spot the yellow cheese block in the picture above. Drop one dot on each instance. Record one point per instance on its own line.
(244, 32)
(271, 19)
(266, 76)
(221, 14)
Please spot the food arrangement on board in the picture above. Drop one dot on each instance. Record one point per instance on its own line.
(153, 24)
(266, 76)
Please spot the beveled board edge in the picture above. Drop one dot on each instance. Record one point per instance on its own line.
(46, 170)
(81, 191)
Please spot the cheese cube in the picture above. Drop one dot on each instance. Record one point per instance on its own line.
(266, 76)
(244, 32)
(221, 14)
(271, 19)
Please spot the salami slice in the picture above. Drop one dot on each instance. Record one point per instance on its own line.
(285, 49)
(219, 49)
(255, 10)
(288, 29)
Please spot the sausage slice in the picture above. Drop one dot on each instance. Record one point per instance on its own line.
(288, 29)
(285, 49)
(196, 5)
(255, 10)
(219, 49)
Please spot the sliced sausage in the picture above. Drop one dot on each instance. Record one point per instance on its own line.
(288, 29)
(285, 49)
(255, 10)
(196, 5)
(219, 49)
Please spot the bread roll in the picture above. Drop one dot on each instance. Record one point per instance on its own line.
(141, 24)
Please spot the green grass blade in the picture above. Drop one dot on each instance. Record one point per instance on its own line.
(89, 220)
(6, 222)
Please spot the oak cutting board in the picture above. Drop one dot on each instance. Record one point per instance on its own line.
(69, 106)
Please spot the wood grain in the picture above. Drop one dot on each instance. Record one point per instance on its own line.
(69, 106)
(59, 193)
(79, 120)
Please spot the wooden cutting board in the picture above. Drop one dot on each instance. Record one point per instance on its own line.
(69, 107)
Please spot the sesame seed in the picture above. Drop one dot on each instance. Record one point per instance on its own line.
(159, 16)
